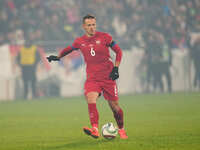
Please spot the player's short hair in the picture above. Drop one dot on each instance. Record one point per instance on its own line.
(88, 16)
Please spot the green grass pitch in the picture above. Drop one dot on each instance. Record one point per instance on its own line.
(153, 122)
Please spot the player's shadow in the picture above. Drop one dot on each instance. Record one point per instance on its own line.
(79, 144)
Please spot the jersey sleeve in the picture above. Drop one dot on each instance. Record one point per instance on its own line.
(76, 44)
(115, 47)
(108, 39)
(70, 48)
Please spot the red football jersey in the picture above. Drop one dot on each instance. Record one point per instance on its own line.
(96, 54)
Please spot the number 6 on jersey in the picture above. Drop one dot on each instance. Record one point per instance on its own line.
(92, 52)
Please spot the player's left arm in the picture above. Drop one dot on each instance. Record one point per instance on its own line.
(115, 47)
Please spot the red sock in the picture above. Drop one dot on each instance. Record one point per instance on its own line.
(93, 114)
(119, 118)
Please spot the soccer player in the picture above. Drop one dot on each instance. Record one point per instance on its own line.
(101, 72)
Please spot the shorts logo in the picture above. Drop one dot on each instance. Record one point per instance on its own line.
(115, 90)
(91, 45)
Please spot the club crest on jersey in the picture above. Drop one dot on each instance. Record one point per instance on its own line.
(98, 42)
(91, 45)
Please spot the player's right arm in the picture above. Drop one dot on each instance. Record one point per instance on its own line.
(64, 52)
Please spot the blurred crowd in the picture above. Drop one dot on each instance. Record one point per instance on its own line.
(60, 21)
(156, 26)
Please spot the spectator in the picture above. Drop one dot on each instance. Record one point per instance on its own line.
(195, 55)
(28, 59)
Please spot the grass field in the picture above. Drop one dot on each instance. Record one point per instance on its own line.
(153, 122)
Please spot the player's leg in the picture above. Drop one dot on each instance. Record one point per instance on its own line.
(119, 117)
(92, 91)
(91, 99)
(117, 112)
(111, 95)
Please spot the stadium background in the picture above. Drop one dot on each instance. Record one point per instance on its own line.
(154, 119)
(54, 24)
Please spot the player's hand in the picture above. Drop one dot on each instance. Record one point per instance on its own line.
(53, 58)
(114, 74)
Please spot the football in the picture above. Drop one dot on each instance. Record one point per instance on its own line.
(109, 131)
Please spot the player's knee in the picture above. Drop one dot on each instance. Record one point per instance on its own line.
(90, 100)
(91, 97)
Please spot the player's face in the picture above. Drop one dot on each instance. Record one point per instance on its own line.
(90, 27)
